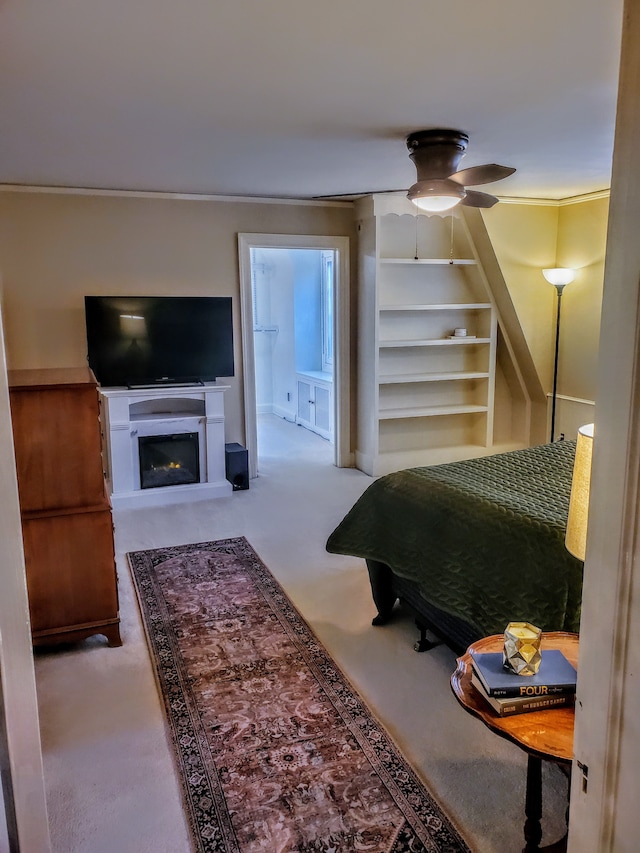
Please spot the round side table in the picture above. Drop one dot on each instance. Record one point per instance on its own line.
(544, 735)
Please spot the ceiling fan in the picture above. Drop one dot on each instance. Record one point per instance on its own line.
(440, 186)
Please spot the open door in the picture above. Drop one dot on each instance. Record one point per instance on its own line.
(335, 339)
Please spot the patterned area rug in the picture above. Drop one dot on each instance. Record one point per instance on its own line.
(276, 751)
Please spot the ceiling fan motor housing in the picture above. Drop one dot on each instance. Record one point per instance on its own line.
(436, 154)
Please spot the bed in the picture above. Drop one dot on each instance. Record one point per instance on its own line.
(470, 546)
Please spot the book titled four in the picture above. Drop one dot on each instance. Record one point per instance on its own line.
(554, 685)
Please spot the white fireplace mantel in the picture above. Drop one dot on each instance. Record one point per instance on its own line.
(128, 413)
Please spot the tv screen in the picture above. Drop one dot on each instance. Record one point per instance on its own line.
(151, 340)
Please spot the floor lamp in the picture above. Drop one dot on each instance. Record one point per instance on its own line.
(559, 278)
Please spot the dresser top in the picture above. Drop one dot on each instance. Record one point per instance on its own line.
(48, 376)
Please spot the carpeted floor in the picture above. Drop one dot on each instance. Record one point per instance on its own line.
(276, 751)
(110, 776)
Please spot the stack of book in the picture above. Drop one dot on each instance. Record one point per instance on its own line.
(553, 686)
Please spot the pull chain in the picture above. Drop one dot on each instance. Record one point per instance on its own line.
(451, 249)
(416, 256)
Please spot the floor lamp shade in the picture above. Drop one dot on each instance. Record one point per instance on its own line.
(559, 276)
(576, 537)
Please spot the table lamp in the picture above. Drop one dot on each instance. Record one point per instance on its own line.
(576, 536)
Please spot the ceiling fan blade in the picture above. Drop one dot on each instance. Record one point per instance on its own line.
(476, 199)
(355, 195)
(475, 175)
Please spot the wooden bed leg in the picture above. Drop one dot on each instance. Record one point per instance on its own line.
(423, 644)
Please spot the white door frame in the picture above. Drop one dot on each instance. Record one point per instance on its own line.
(22, 771)
(604, 815)
(341, 372)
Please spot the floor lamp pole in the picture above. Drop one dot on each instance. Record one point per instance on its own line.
(559, 288)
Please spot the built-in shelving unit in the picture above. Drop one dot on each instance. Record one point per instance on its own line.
(426, 392)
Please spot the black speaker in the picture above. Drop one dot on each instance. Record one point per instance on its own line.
(236, 461)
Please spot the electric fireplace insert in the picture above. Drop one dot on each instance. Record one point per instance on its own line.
(169, 460)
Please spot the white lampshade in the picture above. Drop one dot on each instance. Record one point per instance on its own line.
(576, 536)
(559, 275)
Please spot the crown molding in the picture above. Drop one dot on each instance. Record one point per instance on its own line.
(556, 202)
(174, 196)
(579, 199)
(240, 199)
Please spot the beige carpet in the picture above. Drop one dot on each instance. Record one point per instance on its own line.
(110, 778)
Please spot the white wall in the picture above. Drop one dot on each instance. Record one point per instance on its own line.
(529, 237)
(274, 345)
(308, 308)
(284, 346)
(55, 248)
(264, 329)
(289, 339)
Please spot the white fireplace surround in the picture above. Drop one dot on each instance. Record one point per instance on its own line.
(128, 413)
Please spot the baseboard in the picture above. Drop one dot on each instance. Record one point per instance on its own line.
(167, 495)
(287, 414)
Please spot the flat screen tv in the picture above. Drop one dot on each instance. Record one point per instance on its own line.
(144, 341)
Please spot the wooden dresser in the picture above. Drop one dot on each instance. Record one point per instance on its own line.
(66, 516)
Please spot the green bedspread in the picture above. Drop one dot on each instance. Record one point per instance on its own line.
(483, 539)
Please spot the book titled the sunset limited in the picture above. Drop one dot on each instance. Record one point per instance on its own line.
(506, 707)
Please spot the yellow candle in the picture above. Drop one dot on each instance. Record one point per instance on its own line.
(521, 651)
(524, 633)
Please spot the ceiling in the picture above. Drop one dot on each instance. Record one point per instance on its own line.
(293, 98)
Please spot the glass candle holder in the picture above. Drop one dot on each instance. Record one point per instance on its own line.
(521, 653)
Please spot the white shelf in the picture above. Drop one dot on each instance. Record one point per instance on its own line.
(435, 342)
(450, 306)
(411, 367)
(429, 411)
(432, 377)
(439, 261)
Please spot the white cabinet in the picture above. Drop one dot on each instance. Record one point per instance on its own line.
(315, 402)
(426, 394)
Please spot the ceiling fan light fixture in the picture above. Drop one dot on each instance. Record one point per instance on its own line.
(435, 196)
(435, 203)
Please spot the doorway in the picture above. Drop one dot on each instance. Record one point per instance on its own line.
(292, 298)
(295, 336)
